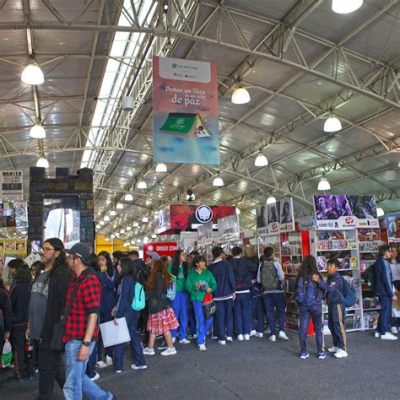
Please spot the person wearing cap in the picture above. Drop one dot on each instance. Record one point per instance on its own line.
(83, 300)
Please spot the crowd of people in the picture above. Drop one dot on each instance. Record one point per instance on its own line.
(52, 310)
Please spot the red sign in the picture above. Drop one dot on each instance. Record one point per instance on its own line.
(161, 248)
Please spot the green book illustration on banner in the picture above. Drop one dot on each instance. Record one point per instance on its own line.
(184, 124)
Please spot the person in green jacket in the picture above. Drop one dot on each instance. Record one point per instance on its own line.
(199, 282)
(179, 270)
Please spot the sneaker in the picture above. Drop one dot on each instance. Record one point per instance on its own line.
(149, 351)
(97, 376)
(377, 335)
(184, 341)
(240, 338)
(118, 371)
(101, 364)
(229, 339)
(388, 336)
(246, 336)
(202, 347)
(272, 338)
(134, 366)
(333, 349)
(394, 330)
(341, 354)
(109, 360)
(321, 356)
(169, 352)
(222, 342)
(282, 335)
(259, 334)
(304, 355)
(253, 332)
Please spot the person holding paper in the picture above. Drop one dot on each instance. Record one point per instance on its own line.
(127, 270)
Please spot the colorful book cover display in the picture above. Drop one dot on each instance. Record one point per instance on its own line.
(276, 218)
(185, 111)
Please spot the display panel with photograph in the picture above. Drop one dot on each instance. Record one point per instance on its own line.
(275, 218)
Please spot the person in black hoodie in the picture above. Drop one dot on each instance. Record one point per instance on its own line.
(243, 270)
(224, 295)
(19, 297)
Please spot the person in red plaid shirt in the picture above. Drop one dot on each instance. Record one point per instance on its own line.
(83, 298)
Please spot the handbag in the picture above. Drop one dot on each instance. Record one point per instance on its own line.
(209, 306)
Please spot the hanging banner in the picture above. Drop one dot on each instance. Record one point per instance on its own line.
(345, 212)
(185, 111)
(161, 248)
(393, 228)
(11, 185)
(275, 218)
(228, 227)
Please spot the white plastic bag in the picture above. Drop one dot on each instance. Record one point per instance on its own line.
(6, 357)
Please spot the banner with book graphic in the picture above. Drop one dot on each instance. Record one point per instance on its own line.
(275, 218)
(185, 111)
(345, 212)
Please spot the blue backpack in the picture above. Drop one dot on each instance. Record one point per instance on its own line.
(139, 298)
(306, 296)
(349, 294)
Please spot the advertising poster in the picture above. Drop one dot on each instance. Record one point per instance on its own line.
(161, 248)
(393, 228)
(185, 111)
(11, 185)
(228, 227)
(276, 218)
(345, 212)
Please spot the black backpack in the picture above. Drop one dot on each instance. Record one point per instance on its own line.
(269, 276)
(370, 278)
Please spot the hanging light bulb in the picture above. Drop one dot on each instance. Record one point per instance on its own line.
(380, 212)
(32, 75)
(122, 231)
(107, 218)
(142, 185)
(119, 206)
(161, 167)
(261, 160)
(112, 236)
(332, 124)
(113, 213)
(37, 131)
(136, 224)
(240, 96)
(145, 220)
(346, 6)
(128, 228)
(42, 162)
(218, 182)
(153, 236)
(271, 200)
(324, 184)
(128, 197)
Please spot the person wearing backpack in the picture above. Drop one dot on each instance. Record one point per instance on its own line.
(243, 270)
(385, 293)
(336, 309)
(127, 297)
(271, 277)
(310, 291)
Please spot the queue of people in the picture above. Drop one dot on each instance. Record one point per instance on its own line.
(74, 290)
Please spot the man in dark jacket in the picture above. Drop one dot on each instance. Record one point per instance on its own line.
(244, 271)
(224, 295)
(384, 291)
(51, 365)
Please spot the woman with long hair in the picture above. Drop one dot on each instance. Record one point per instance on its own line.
(161, 316)
(310, 291)
(179, 270)
(124, 308)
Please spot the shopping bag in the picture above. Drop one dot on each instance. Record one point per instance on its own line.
(7, 355)
(209, 306)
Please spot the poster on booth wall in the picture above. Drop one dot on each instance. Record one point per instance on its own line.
(275, 218)
(161, 248)
(11, 185)
(185, 111)
(228, 227)
(393, 228)
(345, 212)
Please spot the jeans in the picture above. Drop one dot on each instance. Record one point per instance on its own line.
(275, 303)
(136, 348)
(203, 325)
(336, 315)
(224, 318)
(91, 365)
(180, 306)
(77, 382)
(385, 314)
(304, 317)
(242, 312)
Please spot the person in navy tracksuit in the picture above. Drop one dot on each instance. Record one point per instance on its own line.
(336, 310)
(224, 295)
(243, 270)
(310, 291)
(385, 293)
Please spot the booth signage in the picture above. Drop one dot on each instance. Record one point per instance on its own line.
(161, 248)
(275, 218)
(11, 185)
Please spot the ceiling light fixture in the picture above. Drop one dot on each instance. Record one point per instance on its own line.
(32, 75)
(37, 131)
(142, 185)
(240, 96)
(218, 182)
(271, 200)
(332, 124)
(106, 218)
(136, 224)
(346, 6)
(128, 228)
(128, 197)
(161, 167)
(324, 184)
(145, 220)
(261, 160)
(113, 213)
(380, 212)
(42, 162)
(120, 206)
(153, 236)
